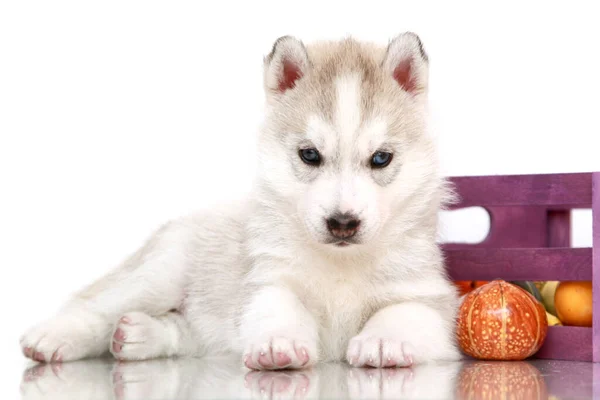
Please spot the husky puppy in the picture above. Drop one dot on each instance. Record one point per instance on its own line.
(332, 257)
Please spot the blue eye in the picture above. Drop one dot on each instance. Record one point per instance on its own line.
(310, 156)
(381, 159)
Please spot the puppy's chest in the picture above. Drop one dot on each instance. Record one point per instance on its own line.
(341, 309)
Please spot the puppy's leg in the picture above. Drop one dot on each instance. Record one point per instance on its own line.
(151, 281)
(402, 335)
(278, 331)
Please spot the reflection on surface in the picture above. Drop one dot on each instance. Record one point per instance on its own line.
(495, 380)
(223, 378)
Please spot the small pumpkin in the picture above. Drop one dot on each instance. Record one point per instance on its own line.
(500, 321)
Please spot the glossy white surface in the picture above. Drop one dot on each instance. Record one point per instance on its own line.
(226, 379)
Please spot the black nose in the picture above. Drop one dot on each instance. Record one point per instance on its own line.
(343, 226)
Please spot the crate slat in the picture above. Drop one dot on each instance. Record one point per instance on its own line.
(563, 191)
(571, 343)
(542, 264)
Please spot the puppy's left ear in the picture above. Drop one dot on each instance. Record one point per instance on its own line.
(285, 65)
(408, 64)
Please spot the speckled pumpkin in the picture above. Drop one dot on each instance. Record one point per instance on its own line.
(500, 321)
(498, 380)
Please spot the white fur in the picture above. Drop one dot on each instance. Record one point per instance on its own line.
(348, 112)
(260, 278)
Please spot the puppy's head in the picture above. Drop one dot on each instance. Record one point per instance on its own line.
(343, 153)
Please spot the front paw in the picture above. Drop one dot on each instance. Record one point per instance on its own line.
(280, 352)
(66, 337)
(379, 352)
(137, 336)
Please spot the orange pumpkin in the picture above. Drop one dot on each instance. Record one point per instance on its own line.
(500, 321)
(497, 380)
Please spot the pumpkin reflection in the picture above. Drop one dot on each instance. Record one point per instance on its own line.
(501, 380)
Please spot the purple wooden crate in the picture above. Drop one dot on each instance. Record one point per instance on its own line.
(529, 239)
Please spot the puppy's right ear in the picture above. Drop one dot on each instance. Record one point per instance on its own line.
(285, 65)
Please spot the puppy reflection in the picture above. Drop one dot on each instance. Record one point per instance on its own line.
(153, 379)
(223, 378)
(340, 381)
(390, 383)
(76, 380)
(419, 382)
(301, 384)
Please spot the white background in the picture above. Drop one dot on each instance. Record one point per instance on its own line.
(118, 115)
